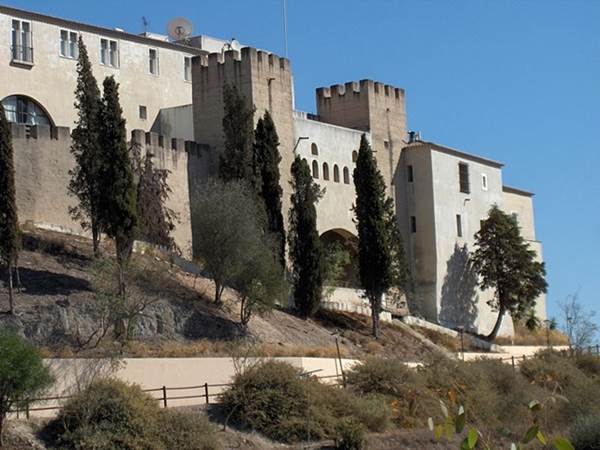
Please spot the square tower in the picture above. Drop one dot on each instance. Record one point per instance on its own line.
(369, 106)
(264, 79)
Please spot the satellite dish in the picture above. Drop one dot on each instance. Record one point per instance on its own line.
(179, 28)
(235, 45)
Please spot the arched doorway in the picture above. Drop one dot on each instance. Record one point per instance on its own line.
(341, 251)
(25, 111)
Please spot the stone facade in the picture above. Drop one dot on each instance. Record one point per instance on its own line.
(183, 100)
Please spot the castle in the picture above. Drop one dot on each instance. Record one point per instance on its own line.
(171, 94)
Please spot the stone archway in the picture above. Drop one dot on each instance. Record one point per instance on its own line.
(339, 239)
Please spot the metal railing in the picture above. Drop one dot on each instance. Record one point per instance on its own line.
(204, 396)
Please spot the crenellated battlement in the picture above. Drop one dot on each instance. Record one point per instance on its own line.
(368, 87)
(247, 56)
(153, 142)
(40, 132)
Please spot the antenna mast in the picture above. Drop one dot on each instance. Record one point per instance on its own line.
(285, 32)
(145, 23)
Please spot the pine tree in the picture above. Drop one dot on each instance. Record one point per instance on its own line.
(306, 250)
(266, 160)
(9, 222)
(117, 200)
(235, 163)
(374, 255)
(85, 147)
(506, 264)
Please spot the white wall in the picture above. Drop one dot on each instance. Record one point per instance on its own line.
(335, 145)
(51, 80)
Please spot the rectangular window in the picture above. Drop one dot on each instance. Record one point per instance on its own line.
(68, 44)
(187, 68)
(22, 47)
(463, 176)
(153, 61)
(410, 174)
(109, 53)
(459, 225)
(484, 182)
(143, 112)
(413, 224)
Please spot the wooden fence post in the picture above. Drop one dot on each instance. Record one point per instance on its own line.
(164, 390)
(513, 363)
(206, 393)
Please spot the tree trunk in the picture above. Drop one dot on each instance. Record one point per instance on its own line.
(375, 307)
(11, 301)
(95, 238)
(121, 279)
(217, 292)
(1, 430)
(494, 333)
(19, 286)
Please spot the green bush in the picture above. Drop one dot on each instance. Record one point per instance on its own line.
(350, 435)
(274, 400)
(183, 431)
(109, 414)
(585, 433)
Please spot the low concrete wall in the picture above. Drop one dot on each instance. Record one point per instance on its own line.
(351, 300)
(72, 375)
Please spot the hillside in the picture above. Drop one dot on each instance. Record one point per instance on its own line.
(61, 307)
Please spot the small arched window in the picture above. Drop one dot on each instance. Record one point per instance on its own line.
(315, 169)
(314, 150)
(346, 176)
(325, 171)
(336, 173)
(24, 110)
(354, 156)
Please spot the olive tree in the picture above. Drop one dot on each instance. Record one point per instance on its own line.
(229, 243)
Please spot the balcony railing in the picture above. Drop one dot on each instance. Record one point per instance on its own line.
(22, 54)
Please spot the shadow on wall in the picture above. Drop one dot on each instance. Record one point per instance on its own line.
(459, 292)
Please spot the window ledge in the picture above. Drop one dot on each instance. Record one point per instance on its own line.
(20, 63)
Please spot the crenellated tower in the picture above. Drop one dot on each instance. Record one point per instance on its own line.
(264, 78)
(369, 106)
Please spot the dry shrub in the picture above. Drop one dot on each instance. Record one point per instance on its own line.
(273, 399)
(109, 414)
(185, 431)
(588, 364)
(411, 402)
(524, 336)
(113, 415)
(449, 342)
(585, 433)
(559, 373)
(374, 347)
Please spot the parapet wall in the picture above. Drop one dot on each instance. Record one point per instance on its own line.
(43, 160)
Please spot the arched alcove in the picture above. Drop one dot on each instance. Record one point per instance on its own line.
(346, 176)
(325, 171)
(336, 173)
(340, 240)
(315, 169)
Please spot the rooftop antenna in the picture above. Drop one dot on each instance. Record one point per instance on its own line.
(285, 32)
(145, 23)
(179, 28)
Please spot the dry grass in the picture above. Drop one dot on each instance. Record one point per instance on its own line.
(523, 336)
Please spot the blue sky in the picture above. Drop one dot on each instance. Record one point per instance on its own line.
(516, 81)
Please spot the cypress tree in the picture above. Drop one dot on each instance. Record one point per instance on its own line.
(235, 163)
(306, 250)
(374, 255)
(506, 264)
(117, 201)
(85, 147)
(9, 222)
(266, 166)
(155, 220)
(399, 270)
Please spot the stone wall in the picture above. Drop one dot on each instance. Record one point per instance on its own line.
(43, 159)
